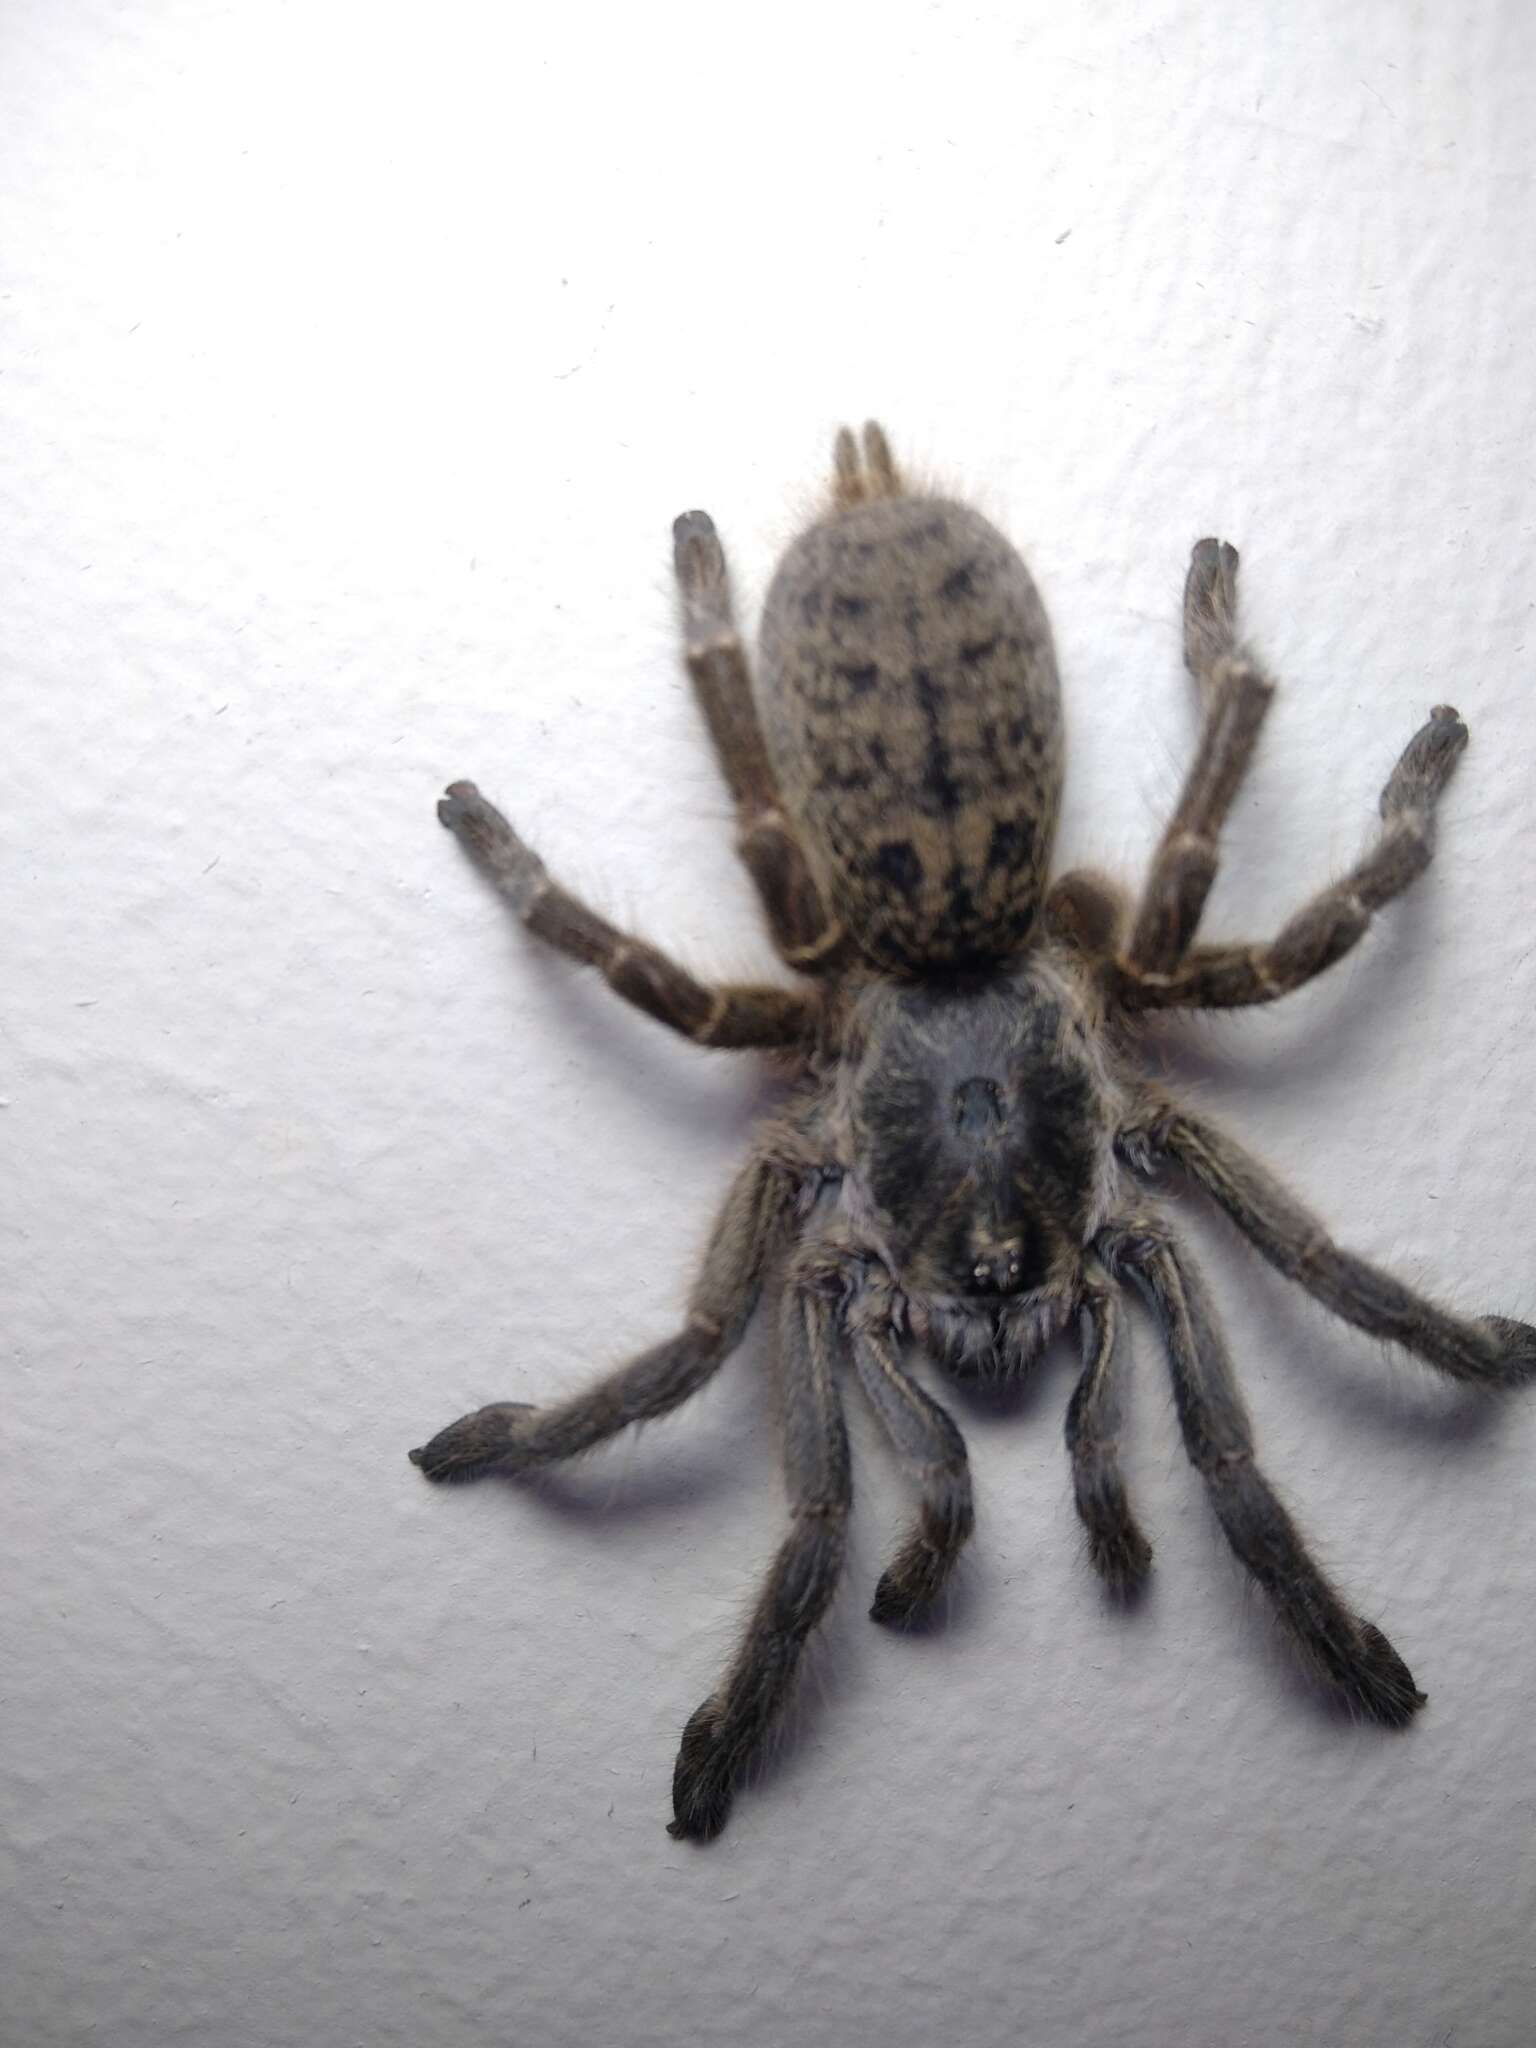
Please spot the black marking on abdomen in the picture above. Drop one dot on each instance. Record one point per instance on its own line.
(861, 677)
(896, 862)
(1011, 844)
(938, 777)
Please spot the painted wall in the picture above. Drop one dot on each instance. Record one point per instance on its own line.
(355, 360)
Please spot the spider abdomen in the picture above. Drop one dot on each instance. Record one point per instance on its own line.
(910, 701)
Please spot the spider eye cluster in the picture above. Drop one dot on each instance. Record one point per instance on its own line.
(999, 1272)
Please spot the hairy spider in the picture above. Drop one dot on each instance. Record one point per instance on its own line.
(957, 1169)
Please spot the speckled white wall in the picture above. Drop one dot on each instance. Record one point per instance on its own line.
(355, 359)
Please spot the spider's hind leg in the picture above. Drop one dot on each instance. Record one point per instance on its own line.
(735, 1014)
(1236, 694)
(804, 930)
(1210, 608)
(1337, 917)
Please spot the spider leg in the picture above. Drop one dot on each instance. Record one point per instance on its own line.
(511, 1436)
(729, 1730)
(932, 1449)
(1338, 917)
(1117, 1549)
(1487, 1351)
(1086, 912)
(735, 1014)
(1236, 694)
(804, 930)
(1350, 1654)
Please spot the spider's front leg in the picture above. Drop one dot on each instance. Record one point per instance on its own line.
(1117, 1549)
(929, 1445)
(730, 1729)
(734, 1015)
(511, 1436)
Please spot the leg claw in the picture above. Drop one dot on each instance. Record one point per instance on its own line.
(474, 1443)
(1210, 604)
(701, 1782)
(1382, 1685)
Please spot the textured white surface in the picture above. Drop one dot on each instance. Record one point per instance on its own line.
(355, 360)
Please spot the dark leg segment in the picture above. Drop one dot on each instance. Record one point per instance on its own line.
(730, 1728)
(933, 1451)
(1117, 1549)
(1486, 1351)
(1350, 1654)
(1086, 911)
(511, 1436)
(1337, 918)
(1237, 695)
(734, 1015)
(803, 929)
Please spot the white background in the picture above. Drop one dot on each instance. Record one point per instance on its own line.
(355, 361)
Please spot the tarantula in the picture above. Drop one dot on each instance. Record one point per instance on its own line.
(957, 1169)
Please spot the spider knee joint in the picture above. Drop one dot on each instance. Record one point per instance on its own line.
(1303, 1261)
(709, 1028)
(528, 886)
(824, 1512)
(1232, 1462)
(1237, 672)
(1134, 1244)
(948, 1515)
(816, 950)
(824, 1270)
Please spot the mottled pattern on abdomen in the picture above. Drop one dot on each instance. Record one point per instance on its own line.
(910, 701)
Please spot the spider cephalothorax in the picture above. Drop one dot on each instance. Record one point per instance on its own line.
(959, 1167)
(977, 1144)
